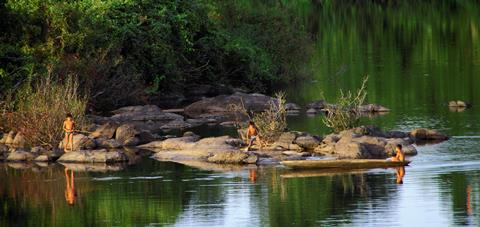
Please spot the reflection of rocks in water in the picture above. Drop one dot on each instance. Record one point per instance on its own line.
(372, 115)
(215, 167)
(457, 108)
(320, 172)
(427, 142)
(20, 165)
(94, 167)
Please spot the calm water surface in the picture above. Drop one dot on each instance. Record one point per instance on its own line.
(417, 59)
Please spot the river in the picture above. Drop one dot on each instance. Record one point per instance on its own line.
(417, 56)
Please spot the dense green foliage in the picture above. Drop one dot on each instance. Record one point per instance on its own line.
(125, 50)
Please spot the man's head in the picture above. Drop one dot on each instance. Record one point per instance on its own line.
(399, 146)
(69, 115)
(251, 123)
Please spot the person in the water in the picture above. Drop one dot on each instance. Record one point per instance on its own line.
(70, 192)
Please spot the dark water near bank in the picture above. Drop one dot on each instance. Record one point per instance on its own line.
(418, 57)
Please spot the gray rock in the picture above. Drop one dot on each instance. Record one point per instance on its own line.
(125, 133)
(427, 134)
(331, 139)
(144, 118)
(108, 144)
(43, 158)
(287, 137)
(38, 150)
(172, 143)
(131, 142)
(88, 156)
(234, 142)
(317, 105)
(176, 124)
(292, 107)
(307, 142)
(294, 147)
(20, 156)
(229, 157)
(106, 131)
(145, 137)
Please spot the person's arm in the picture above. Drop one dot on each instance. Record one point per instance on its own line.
(64, 126)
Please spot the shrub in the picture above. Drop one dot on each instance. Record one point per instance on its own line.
(271, 123)
(40, 110)
(345, 114)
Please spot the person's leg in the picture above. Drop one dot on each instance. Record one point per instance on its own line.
(65, 143)
(71, 141)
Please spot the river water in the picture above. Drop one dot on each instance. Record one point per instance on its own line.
(418, 57)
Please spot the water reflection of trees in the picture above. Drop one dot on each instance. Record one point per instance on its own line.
(460, 191)
(36, 196)
(308, 201)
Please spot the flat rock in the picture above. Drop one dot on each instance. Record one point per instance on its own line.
(228, 157)
(101, 156)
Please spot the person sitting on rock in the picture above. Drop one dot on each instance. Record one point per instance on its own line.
(252, 134)
(69, 128)
(400, 156)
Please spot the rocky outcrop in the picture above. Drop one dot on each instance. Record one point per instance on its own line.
(126, 135)
(89, 156)
(427, 134)
(217, 107)
(145, 118)
(19, 141)
(363, 142)
(317, 106)
(222, 149)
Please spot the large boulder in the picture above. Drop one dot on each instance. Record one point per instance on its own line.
(427, 134)
(89, 156)
(218, 106)
(106, 131)
(20, 156)
(307, 142)
(125, 134)
(285, 140)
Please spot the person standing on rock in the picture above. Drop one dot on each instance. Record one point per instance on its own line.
(252, 134)
(69, 128)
